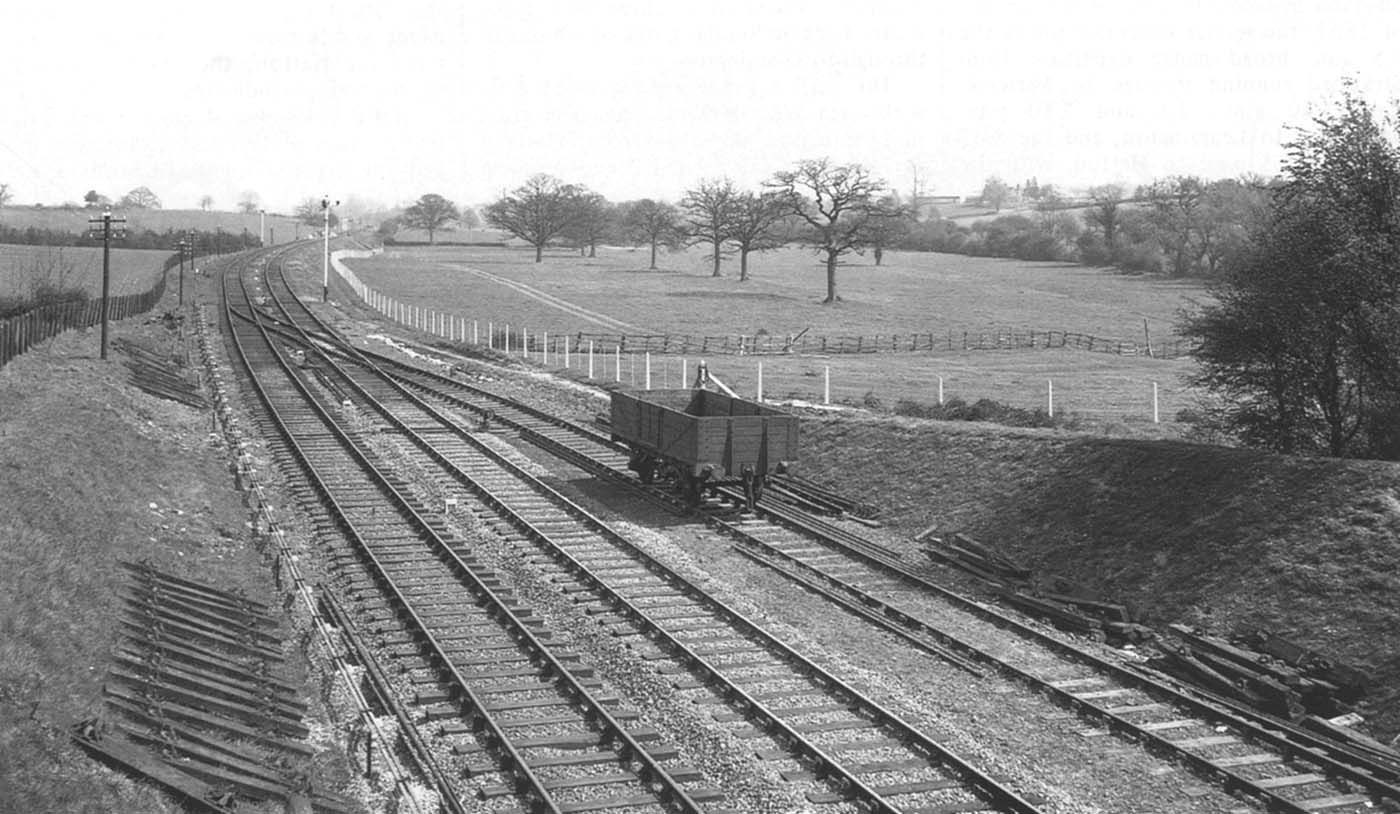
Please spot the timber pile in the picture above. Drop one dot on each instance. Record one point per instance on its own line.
(1266, 671)
(1067, 607)
(964, 553)
(194, 702)
(160, 376)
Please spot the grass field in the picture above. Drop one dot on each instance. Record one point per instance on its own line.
(282, 227)
(133, 270)
(911, 292)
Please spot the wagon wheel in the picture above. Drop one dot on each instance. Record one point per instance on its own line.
(753, 489)
(691, 487)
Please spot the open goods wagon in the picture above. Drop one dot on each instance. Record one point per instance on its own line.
(703, 439)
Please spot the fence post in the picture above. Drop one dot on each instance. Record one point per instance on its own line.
(566, 351)
(1050, 397)
(648, 370)
(617, 363)
(590, 359)
(1155, 417)
(760, 383)
(544, 358)
(826, 384)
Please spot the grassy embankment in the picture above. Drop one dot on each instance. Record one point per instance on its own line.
(909, 293)
(1224, 538)
(93, 472)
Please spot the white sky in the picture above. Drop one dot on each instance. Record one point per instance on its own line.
(387, 100)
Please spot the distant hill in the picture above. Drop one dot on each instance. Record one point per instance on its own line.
(281, 227)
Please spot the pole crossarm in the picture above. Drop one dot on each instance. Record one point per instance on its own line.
(106, 229)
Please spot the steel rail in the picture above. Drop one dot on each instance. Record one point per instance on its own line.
(968, 774)
(652, 774)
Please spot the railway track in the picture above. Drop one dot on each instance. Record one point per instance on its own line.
(1285, 767)
(531, 711)
(861, 750)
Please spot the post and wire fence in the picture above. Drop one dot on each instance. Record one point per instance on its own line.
(668, 362)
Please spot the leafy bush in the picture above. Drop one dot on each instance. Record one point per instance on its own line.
(993, 412)
(44, 294)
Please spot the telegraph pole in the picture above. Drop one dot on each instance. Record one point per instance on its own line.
(181, 247)
(102, 228)
(262, 228)
(326, 248)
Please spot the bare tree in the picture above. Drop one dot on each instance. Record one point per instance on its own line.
(592, 220)
(918, 188)
(5, 194)
(249, 202)
(311, 213)
(709, 216)
(1176, 214)
(837, 202)
(431, 212)
(140, 198)
(656, 223)
(536, 212)
(757, 225)
(206, 202)
(995, 192)
(887, 222)
(1104, 212)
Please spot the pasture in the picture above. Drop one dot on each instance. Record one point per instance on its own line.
(909, 293)
(22, 267)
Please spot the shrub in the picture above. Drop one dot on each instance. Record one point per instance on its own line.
(987, 410)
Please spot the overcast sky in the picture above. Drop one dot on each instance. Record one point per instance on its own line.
(387, 100)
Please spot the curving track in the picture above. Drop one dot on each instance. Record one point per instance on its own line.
(855, 749)
(683, 630)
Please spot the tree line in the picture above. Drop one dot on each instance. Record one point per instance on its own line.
(205, 242)
(837, 209)
(1182, 226)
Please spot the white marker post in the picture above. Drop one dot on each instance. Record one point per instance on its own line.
(490, 336)
(1050, 397)
(1156, 419)
(685, 377)
(617, 363)
(544, 355)
(940, 391)
(826, 385)
(566, 351)
(590, 360)
(647, 372)
(474, 335)
(759, 389)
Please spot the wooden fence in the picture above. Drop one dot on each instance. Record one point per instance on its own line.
(880, 343)
(20, 333)
(497, 335)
